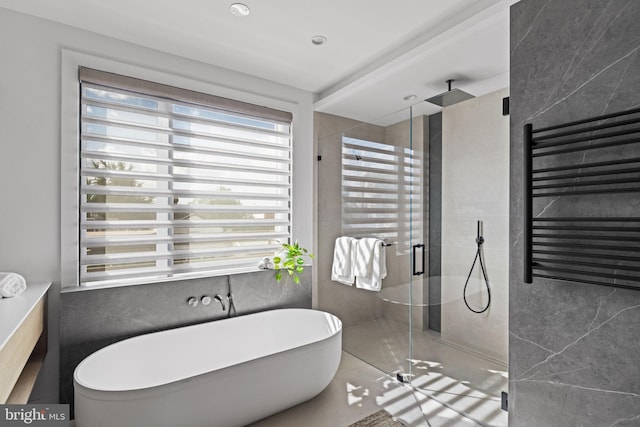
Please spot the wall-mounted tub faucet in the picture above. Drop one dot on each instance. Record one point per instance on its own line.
(232, 306)
(206, 300)
(221, 301)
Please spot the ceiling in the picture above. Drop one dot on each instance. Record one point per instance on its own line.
(377, 51)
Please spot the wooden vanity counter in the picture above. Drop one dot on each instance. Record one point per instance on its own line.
(23, 342)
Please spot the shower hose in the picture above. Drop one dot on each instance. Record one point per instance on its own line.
(479, 241)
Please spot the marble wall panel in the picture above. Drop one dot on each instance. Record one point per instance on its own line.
(573, 347)
(435, 223)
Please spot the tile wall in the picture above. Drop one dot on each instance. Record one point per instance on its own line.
(573, 348)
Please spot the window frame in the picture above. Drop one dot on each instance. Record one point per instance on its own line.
(298, 104)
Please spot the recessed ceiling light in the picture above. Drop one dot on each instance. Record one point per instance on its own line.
(318, 40)
(239, 9)
(410, 97)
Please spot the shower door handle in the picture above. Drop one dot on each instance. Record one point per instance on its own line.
(415, 248)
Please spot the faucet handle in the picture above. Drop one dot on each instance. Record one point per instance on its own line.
(221, 301)
(206, 300)
(192, 301)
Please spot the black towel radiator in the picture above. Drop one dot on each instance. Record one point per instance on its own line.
(603, 250)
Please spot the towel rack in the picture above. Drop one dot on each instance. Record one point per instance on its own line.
(602, 250)
(384, 243)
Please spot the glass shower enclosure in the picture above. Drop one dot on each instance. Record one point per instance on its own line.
(373, 181)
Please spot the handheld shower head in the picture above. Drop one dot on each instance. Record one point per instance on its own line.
(450, 97)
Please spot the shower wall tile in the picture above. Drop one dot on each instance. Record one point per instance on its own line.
(354, 305)
(573, 347)
(351, 305)
(93, 319)
(475, 163)
(414, 135)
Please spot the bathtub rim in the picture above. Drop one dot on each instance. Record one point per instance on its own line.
(167, 387)
(176, 386)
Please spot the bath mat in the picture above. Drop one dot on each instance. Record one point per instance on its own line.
(379, 419)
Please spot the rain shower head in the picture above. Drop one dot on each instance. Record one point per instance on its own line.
(450, 97)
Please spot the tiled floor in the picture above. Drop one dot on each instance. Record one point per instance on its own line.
(358, 390)
(460, 380)
(445, 378)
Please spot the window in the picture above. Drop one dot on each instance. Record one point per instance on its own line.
(176, 183)
(381, 192)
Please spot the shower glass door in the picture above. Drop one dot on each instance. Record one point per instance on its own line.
(370, 184)
(373, 181)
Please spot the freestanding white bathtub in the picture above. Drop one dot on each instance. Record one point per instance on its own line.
(225, 373)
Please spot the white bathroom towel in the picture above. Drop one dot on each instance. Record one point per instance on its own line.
(364, 256)
(11, 285)
(266, 264)
(378, 267)
(344, 253)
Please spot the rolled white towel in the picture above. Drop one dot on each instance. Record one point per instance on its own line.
(11, 285)
(266, 264)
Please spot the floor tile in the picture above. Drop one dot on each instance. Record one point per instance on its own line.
(359, 390)
(460, 380)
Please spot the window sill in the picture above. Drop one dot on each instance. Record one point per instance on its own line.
(228, 272)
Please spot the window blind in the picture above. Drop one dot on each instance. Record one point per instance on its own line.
(381, 192)
(176, 183)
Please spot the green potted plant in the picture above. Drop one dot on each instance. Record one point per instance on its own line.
(291, 259)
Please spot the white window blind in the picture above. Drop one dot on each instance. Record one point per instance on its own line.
(176, 183)
(381, 192)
